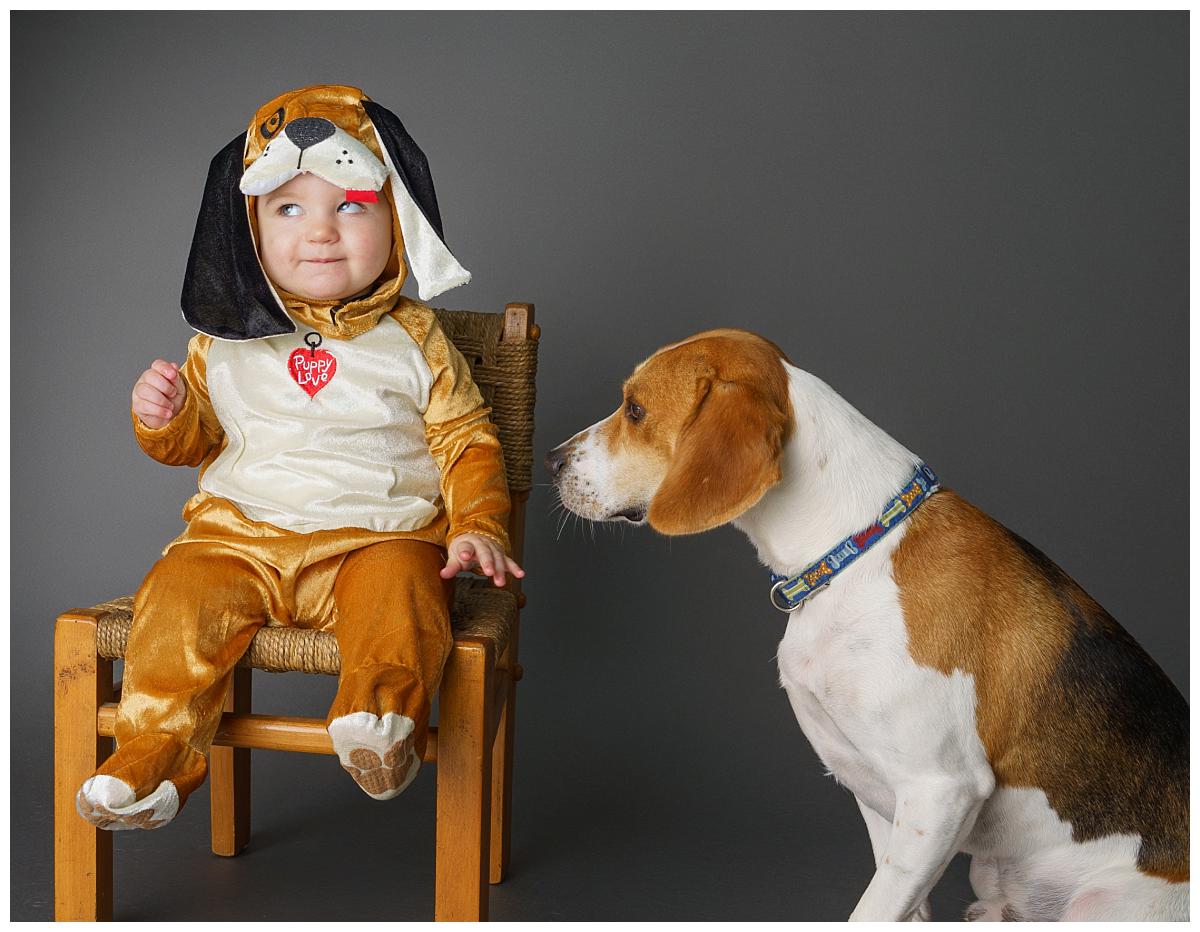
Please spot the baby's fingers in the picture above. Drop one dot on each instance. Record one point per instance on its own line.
(156, 379)
(493, 562)
(487, 562)
(167, 369)
(149, 400)
(458, 558)
(450, 569)
(505, 562)
(465, 551)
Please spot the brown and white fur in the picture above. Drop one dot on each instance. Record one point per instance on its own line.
(969, 693)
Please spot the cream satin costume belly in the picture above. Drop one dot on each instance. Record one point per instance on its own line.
(353, 454)
(328, 509)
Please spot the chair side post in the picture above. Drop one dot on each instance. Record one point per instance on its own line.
(83, 860)
(229, 777)
(519, 326)
(464, 767)
(502, 751)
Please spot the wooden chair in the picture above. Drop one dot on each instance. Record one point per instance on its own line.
(472, 744)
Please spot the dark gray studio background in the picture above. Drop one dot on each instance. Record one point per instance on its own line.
(975, 227)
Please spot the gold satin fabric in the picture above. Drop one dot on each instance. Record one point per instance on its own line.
(225, 577)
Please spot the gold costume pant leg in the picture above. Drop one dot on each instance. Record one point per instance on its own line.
(392, 623)
(194, 617)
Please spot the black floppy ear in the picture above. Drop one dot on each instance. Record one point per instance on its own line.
(225, 293)
(409, 160)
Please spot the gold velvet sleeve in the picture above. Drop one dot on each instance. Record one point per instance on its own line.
(463, 440)
(189, 436)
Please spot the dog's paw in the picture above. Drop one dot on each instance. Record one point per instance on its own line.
(990, 911)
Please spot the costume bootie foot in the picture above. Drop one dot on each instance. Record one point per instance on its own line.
(110, 803)
(379, 753)
(143, 785)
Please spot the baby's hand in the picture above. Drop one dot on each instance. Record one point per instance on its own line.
(469, 550)
(159, 394)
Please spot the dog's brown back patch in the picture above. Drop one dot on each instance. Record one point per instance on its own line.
(1067, 701)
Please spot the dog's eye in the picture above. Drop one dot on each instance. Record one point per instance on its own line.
(634, 411)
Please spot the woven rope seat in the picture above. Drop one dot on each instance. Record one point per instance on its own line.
(481, 611)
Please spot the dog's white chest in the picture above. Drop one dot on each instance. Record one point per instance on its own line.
(826, 669)
(869, 710)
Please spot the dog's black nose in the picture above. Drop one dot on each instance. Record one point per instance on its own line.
(556, 459)
(308, 131)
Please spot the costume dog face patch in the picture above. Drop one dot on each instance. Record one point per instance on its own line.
(316, 145)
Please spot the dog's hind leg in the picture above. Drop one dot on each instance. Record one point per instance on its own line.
(985, 881)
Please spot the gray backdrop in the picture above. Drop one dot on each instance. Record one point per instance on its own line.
(974, 226)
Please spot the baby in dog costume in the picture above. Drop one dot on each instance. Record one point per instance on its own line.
(341, 445)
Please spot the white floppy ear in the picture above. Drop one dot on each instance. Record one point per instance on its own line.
(432, 264)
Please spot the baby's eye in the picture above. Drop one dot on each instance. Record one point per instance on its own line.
(350, 207)
(289, 210)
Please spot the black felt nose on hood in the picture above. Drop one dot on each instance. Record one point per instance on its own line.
(308, 131)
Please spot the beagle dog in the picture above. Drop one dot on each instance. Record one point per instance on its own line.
(967, 691)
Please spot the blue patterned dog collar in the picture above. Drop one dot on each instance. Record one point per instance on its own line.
(788, 593)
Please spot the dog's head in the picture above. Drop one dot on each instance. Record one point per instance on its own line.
(696, 440)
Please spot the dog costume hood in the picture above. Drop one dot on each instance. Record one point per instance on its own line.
(338, 134)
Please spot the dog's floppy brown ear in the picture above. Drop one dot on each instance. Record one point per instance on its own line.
(726, 457)
(225, 293)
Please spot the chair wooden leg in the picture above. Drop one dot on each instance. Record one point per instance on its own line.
(83, 865)
(229, 778)
(464, 791)
(502, 758)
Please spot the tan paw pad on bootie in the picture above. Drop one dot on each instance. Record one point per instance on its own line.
(382, 778)
(109, 803)
(379, 753)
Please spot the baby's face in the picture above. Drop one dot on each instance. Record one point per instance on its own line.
(316, 244)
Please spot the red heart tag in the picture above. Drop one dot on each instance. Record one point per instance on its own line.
(312, 369)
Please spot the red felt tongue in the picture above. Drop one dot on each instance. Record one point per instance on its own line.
(312, 369)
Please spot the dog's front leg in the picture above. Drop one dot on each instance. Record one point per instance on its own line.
(932, 819)
(880, 829)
